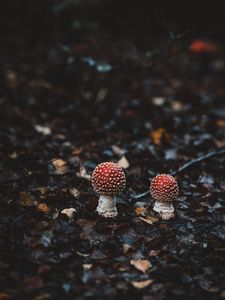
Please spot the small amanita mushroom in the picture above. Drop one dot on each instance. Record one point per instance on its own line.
(164, 189)
(108, 179)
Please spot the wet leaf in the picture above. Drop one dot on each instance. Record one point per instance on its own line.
(142, 284)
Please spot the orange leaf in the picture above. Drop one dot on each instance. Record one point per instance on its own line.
(141, 264)
(43, 208)
(158, 135)
(139, 210)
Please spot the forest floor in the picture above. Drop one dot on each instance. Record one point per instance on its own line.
(102, 97)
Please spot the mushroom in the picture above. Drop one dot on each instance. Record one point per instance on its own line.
(108, 179)
(164, 189)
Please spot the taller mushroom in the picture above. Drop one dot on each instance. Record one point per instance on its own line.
(108, 179)
(164, 189)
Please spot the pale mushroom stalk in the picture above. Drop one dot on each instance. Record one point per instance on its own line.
(108, 179)
(166, 210)
(164, 190)
(107, 206)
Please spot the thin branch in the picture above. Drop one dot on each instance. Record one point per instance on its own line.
(188, 165)
(199, 159)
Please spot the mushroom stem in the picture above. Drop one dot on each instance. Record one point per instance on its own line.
(165, 209)
(107, 206)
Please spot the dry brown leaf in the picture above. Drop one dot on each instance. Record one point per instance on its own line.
(142, 284)
(158, 135)
(43, 296)
(58, 163)
(150, 219)
(140, 211)
(177, 105)
(26, 199)
(69, 212)
(60, 166)
(4, 296)
(76, 151)
(220, 123)
(44, 208)
(222, 294)
(141, 264)
(219, 143)
(42, 189)
(123, 163)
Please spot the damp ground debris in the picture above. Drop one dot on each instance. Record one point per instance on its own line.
(93, 89)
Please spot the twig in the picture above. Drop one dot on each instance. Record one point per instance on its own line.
(138, 196)
(188, 165)
(199, 159)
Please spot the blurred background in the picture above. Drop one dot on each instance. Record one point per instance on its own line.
(136, 82)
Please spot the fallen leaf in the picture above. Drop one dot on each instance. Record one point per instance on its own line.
(140, 211)
(222, 294)
(69, 212)
(26, 199)
(126, 248)
(158, 135)
(141, 264)
(87, 266)
(43, 296)
(154, 253)
(44, 208)
(150, 219)
(177, 105)
(76, 151)
(158, 101)
(60, 166)
(219, 143)
(118, 151)
(123, 163)
(142, 284)
(4, 296)
(43, 129)
(220, 123)
(13, 155)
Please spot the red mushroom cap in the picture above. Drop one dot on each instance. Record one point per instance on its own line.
(164, 188)
(108, 178)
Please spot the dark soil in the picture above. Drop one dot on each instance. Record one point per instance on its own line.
(93, 88)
